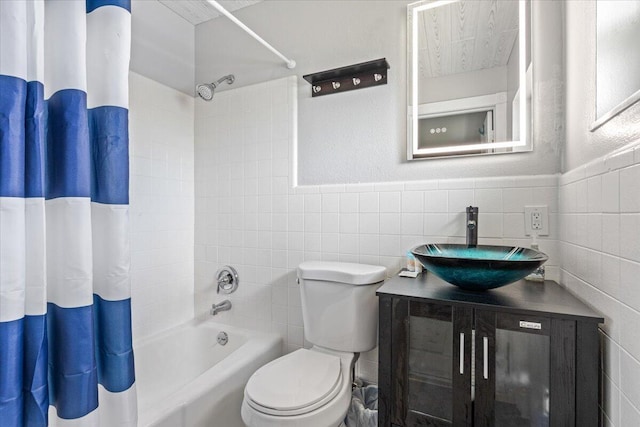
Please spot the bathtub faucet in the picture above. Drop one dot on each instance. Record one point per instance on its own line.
(223, 306)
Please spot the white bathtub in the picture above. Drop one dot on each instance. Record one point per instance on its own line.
(184, 378)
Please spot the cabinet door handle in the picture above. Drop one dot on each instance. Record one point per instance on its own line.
(485, 351)
(461, 352)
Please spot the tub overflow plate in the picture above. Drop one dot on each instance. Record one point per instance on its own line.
(223, 338)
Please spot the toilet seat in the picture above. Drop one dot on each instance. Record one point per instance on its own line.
(295, 384)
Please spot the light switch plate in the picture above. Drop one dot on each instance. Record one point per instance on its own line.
(536, 220)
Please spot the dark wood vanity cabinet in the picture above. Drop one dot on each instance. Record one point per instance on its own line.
(523, 355)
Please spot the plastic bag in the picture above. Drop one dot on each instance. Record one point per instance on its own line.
(363, 411)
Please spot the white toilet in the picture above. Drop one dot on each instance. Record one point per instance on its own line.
(312, 388)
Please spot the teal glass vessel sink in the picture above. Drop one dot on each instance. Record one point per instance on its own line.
(481, 267)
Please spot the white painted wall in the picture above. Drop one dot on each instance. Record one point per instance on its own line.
(161, 205)
(162, 45)
(583, 146)
(360, 136)
(248, 216)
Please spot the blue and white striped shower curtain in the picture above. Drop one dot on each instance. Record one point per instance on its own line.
(65, 315)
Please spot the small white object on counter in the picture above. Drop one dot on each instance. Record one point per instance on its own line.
(406, 273)
(413, 264)
(536, 275)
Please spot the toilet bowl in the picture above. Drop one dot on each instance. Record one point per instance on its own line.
(312, 387)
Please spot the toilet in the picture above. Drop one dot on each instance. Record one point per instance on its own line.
(312, 387)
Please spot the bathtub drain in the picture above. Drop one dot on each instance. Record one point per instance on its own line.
(223, 338)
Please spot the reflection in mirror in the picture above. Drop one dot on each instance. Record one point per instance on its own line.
(470, 74)
(617, 58)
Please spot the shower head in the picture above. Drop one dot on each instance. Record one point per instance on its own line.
(206, 90)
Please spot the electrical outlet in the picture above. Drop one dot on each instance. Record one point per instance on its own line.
(536, 220)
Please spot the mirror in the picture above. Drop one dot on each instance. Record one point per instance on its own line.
(617, 58)
(469, 78)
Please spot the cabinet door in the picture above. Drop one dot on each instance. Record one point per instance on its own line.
(434, 370)
(520, 368)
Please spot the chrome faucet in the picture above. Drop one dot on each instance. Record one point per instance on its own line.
(472, 226)
(223, 306)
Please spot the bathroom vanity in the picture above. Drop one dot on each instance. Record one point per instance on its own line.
(526, 354)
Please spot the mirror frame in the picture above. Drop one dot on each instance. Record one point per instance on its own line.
(413, 152)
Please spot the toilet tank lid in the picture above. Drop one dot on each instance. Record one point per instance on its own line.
(342, 272)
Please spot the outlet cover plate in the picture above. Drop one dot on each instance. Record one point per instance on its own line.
(541, 213)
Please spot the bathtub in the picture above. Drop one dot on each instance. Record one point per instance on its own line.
(184, 378)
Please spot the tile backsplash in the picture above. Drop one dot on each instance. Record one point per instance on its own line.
(249, 214)
(600, 251)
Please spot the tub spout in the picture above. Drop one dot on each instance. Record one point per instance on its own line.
(223, 306)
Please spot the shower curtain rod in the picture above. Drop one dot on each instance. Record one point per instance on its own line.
(290, 62)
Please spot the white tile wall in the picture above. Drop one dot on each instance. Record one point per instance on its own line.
(161, 205)
(248, 214)
(600, 252)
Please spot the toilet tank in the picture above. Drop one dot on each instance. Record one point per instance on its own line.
(339, 304)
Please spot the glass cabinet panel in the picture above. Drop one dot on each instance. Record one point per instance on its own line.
(430, 361)
(522, 379)
(434, 356)
(512, 370)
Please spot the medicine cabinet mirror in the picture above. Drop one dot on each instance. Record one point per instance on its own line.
(617, 58)
(469, 78)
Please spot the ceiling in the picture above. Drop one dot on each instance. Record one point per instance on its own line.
(466, 36)
(199, 11)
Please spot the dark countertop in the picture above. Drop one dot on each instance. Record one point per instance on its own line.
(546, 298)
